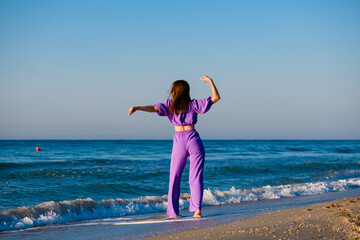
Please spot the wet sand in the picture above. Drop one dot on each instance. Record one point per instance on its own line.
(338, 219)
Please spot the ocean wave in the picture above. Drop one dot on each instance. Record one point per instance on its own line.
(275, 192)
(5, 166)
(341, 174)
(299, 149)
(86, 209)
(345, 150)
(76, 210)
(284, 167)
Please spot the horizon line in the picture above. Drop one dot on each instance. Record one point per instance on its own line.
(153, 139)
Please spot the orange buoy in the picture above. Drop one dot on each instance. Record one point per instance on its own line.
(37, 149)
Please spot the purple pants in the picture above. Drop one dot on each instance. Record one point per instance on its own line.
(186, 143)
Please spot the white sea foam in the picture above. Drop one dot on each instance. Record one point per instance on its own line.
(274, 192)
(86, 209)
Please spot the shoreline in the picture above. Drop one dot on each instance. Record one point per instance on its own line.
(219, 221)
(337, 219)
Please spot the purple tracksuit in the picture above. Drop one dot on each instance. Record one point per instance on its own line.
(186, 143)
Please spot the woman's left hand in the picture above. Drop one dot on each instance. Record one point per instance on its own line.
(206, 79)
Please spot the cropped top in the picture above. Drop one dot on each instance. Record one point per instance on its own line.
(190, 116)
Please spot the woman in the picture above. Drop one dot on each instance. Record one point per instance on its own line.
(182, 112)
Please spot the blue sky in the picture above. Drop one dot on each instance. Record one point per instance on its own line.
(284, 69)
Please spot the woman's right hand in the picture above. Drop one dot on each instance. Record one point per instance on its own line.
(206, 79)
(131, 110)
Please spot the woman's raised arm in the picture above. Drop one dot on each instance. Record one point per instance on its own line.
(149, 108)
(215, 94)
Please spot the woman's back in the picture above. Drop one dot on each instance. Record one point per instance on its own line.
(190, 116)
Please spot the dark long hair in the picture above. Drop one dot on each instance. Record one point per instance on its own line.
(180, 93)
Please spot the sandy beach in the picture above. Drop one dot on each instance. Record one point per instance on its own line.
(338, 219)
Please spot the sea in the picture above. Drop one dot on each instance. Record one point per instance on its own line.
(75, 180)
